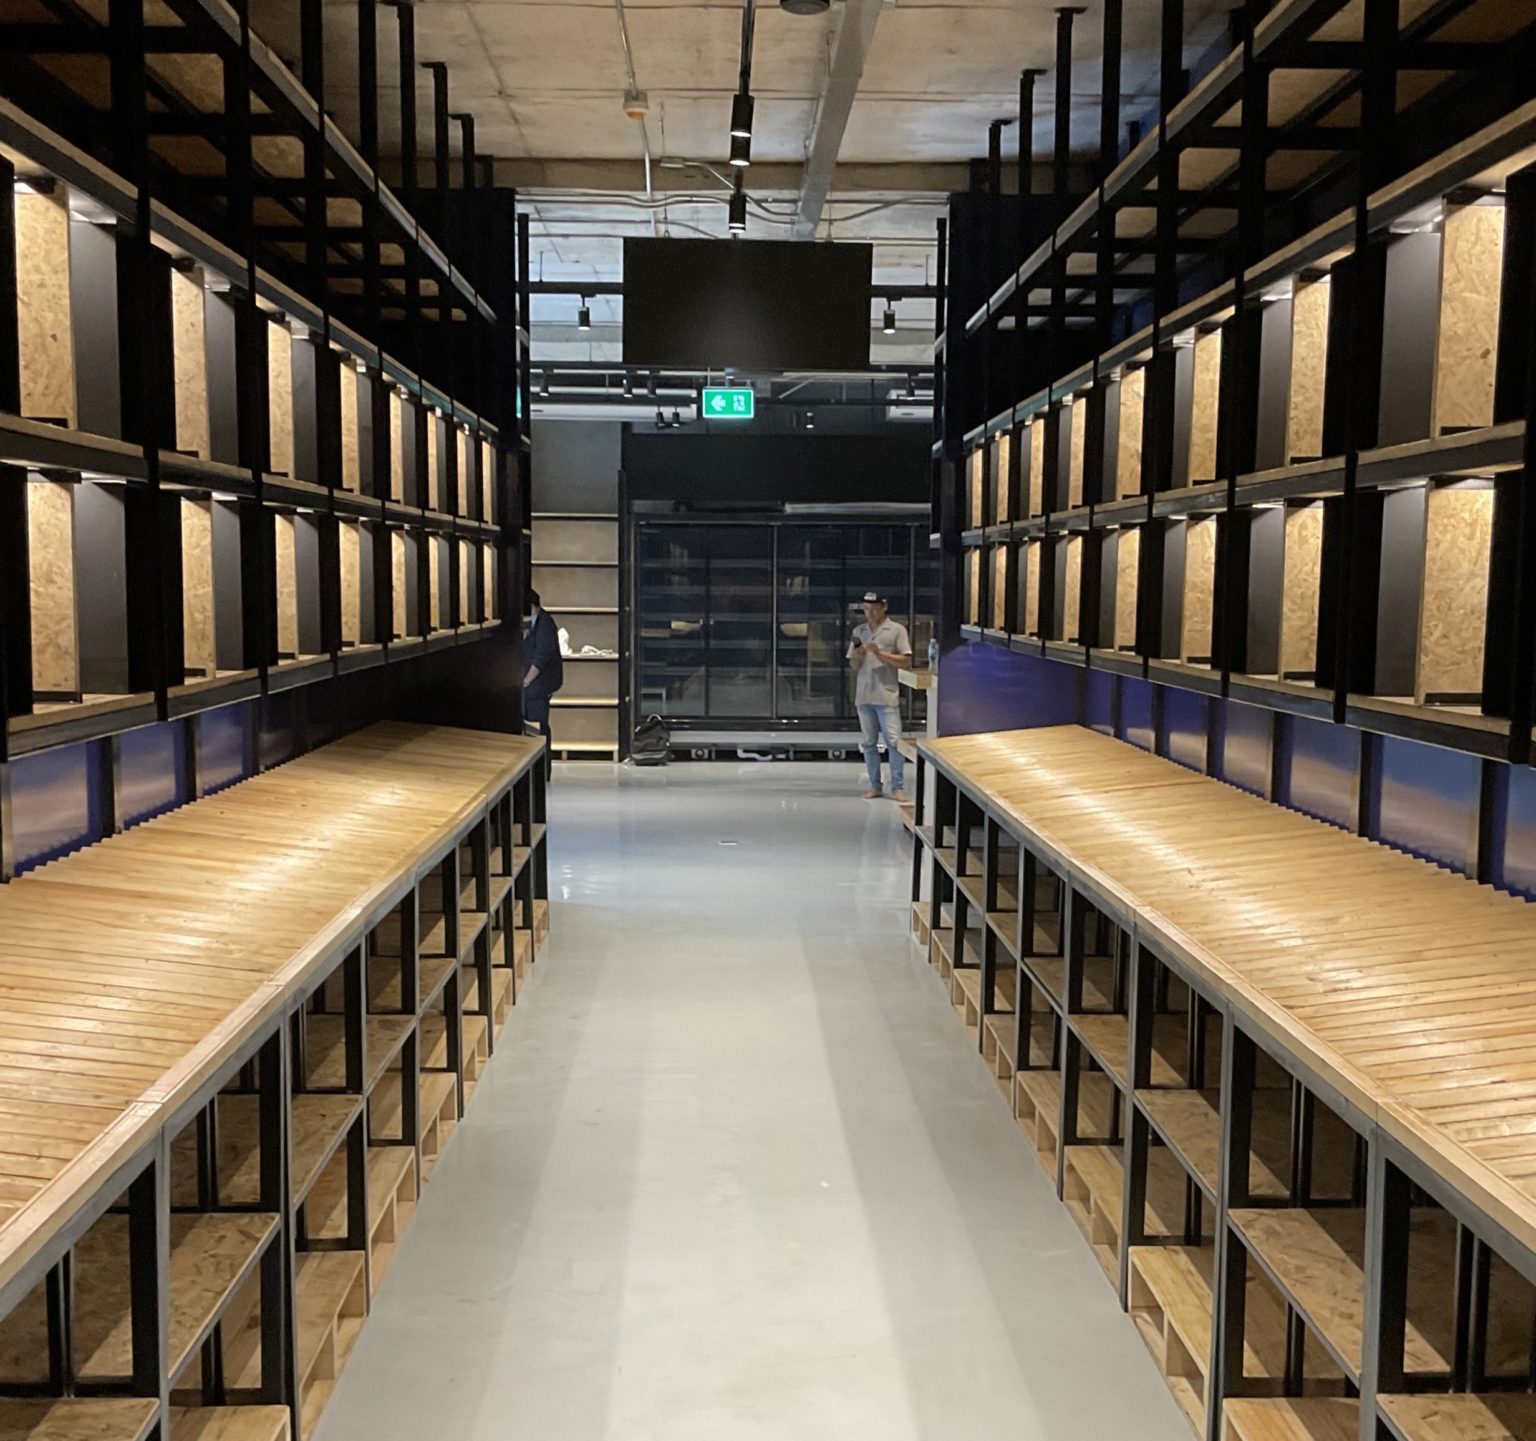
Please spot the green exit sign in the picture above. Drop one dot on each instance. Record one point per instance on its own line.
(721, 403)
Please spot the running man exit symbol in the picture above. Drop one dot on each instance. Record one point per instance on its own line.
(723, 404)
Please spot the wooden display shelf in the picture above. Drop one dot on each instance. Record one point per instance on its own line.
(1108, 1037)
(392, 1194)
(117, 1418)
(328, 1053)
(317, 1125)
(1037, 1108)
(1190, 1121)
(230, 1423)
(1494, 1417)
(331, 1291)
(439, 1117)
(211, 1256)
(1304, 1418)
(501, 993)
(476, 1043)
(920, 922)
(1315, 1257)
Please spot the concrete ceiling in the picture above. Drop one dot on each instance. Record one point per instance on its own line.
(545, 81)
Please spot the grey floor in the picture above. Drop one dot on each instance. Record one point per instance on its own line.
(734, 1172)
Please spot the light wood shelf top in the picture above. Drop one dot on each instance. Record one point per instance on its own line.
(132, 970)
(1369, 966)
(1461, 1418)
(1305, 1418)
(117, 1418)
(229, 1423)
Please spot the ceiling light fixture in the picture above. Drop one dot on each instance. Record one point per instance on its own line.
(810, 420)
(741, 151)
(889, 326)
(584, 316)
(741, 116)
(737, 223)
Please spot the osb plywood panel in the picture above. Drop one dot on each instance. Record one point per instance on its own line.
(461, 450)
(434, 462)
(1079, 449)
(189, 347)
(1309, 366)
(492, 591)
(280, 397)
(437, 558)
(973, 515)
(465, 561)
(1127, 571)
(1004, 452)
(1023, 585)
(1037, 468)
(200, 655)
(973, 589)
(351, 535)
(1303, 572)
(1471, 262)
(1133, 393)
(287, 588)
(1072, 603)
(396, 459)
(351, 468)
(999, 587)
(51, 586)
(487, 481)
(1032, 595)
(1199, 589)
(397, 583)
(42, 302)
(1455, 605)
(1206, 407)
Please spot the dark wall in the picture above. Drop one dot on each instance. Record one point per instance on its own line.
(754, 470)
(576, 465)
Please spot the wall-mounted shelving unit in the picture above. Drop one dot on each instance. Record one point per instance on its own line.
(577, 574)
(237, 380)
(1314, 446)
(1294, 1182)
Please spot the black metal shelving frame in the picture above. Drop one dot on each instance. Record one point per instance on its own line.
(184, 140)
(1038, 934)
(1434, 120)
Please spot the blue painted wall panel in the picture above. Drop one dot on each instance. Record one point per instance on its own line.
(57, 803)
(279, 737)
(1137, 713)
(1514, 858)
(221, 746)
(1429, 802)
(986, 688)
(153, 772)
(1247, 747)
(1321, 765)
(1186, 728)
(1099, 702)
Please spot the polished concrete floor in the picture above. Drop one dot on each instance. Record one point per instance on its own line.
(734, 1172)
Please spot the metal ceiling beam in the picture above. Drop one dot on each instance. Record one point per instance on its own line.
(832, 110)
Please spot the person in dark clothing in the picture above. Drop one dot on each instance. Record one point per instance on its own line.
(543, 668)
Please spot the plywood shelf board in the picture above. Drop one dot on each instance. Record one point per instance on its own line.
(230, 1423)
(1496, 1417)
(1307, 1418)
(120, 1418)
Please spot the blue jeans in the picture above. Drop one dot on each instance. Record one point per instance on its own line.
(876, 721)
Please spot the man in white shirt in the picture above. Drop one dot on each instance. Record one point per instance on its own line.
(880, 648)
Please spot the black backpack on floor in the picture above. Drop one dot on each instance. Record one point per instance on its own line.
(651, 742)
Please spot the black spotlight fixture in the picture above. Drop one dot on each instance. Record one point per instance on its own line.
(677, 419)
(889, 325)
(661, 419)
(584, 316)
(544, 384)
(629, 388)
(810, 420)
(737, 223)
(741, 117)
(806, 7)
(741, 151)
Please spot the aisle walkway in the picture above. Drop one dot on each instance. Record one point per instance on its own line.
(735, 1176)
